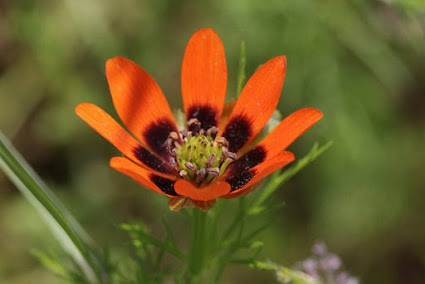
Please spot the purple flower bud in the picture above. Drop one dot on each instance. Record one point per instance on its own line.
(319, 249)
(330, 262)
(310, 266)
(345, 278)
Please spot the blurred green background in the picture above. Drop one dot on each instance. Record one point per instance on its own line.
(362, 62)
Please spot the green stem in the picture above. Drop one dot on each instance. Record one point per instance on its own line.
(197, 255)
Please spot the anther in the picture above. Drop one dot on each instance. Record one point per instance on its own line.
(168, 142)
(202, 172)
(182, 173)
(194, 125)
(190, 166)
(184, 133)
(222, 141)
(231, 155)
(211, 160)
(212, 131)
(213, 171)
(224, 151)
(193, 121)
(174, 135)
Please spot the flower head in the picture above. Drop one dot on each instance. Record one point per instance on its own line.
(213, 156)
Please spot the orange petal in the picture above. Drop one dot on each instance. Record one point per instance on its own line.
(256, 103)
(243, 192)
(209, 192)
(289, 130)
(140, 103)
(248, 178)
(227, 110)
(204, 78)
(162, 184)
(279, 139)
(106, 126)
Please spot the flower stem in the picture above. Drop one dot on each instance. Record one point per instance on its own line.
(197, 255)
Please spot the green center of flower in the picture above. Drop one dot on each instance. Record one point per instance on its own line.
(201, 157)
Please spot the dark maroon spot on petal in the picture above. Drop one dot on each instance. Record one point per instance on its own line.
(238, 131)
(205, 114)
(152, 161)
(252, 158)
(157, 133)
(164, 184)
(240, 180)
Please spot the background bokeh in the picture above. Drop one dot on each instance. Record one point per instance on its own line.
(362, 62)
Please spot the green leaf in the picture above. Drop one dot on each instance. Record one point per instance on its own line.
(139, 235)
(59, 220)
(50, 263)
(241, 70)
(278, 179)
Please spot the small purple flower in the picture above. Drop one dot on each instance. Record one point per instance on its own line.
(330, 262)
(326, 267)
(319, 249)
(310, 266)
(345, 278)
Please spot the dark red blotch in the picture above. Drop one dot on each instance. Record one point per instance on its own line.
(157, 133)
(238, 131)
(255, 156)
(205, 114)
(152, 161)
(240, 180)
(164, 184)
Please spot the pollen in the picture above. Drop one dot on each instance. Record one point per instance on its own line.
(201, 157)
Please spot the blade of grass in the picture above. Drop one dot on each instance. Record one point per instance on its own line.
(43, 200)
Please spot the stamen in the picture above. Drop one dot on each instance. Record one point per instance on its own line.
(202, 172)
(213, 132)
(224, 166)
(174, 135)
(211, 160)
(184, 133)
(201, 157)
(213, 171)
(192, 121)
(231, 155)
(168, 143)
(190, 166)
(222, 141)
(194, 125)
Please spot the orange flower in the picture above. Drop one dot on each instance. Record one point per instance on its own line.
(201, 163)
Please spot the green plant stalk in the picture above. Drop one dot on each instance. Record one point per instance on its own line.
(241, 70)
(34, 190)
(197, 255)
(277, 178)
